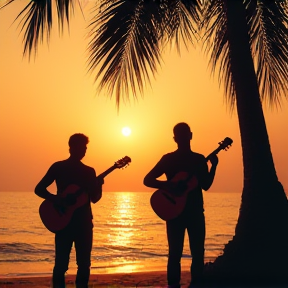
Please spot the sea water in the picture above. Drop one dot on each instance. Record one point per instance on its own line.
(128, 235)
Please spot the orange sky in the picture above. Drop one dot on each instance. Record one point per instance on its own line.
(46, 100)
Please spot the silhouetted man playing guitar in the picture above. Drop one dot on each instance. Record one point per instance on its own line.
(79, 230)
(192, 216)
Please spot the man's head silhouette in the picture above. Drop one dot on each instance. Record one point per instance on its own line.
(78, 145)
(182, 133)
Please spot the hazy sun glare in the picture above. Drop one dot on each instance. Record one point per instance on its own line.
(126, 131)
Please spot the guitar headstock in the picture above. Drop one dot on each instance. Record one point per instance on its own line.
(123, 162)
(225, 144)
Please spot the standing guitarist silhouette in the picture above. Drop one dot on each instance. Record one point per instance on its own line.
(169, 205)
(192, 217)
(79, 229)
(56, 217)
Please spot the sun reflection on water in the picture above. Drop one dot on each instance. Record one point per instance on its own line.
(121, 221)
(120, 239)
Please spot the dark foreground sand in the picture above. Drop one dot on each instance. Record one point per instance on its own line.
(136, 279)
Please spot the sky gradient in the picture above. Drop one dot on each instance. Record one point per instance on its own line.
(52, 96)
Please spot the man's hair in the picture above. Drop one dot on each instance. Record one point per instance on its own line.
(78, 139)
(182, 130)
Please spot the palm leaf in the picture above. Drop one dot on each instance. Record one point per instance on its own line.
(126, 40)
(4, 4)
(268, 23)
(214, 23)
(179, 21)
(36, 20)
(268, 28)
(63, 10)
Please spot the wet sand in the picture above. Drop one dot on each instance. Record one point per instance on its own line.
(135, 279)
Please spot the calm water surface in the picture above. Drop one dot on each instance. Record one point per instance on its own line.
(128, 236)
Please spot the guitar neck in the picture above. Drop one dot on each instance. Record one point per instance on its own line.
(108, 171)
(216, 151)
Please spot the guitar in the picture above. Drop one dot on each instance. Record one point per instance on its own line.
(56, 217)
(169, 205)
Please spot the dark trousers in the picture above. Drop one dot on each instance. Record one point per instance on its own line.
(195, 225)
(82, 237)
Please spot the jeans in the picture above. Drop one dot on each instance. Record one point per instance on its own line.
(82, 236)
(195, 225)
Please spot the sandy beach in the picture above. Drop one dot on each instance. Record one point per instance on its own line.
(135, 279)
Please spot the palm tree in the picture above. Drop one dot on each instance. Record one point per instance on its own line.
(248, 39)
(245, 31)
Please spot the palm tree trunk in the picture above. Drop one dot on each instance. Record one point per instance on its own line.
(259, 249)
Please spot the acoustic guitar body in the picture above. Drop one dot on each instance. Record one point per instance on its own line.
(56, 218)
(168, 205)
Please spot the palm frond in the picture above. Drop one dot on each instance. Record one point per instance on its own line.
(268, 28)
(125, 45)
(268, 23)
(126, 39)
(214, 23)
(5, 3)
(64, 7)
(37, 19)
(180, 20)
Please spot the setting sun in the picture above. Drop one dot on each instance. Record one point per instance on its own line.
(126, 131)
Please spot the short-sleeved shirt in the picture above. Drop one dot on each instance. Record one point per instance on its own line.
(66, 173)
(192, 163)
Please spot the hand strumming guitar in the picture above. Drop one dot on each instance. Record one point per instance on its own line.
(176, 188)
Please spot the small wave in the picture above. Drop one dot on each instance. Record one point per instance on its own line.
(28, 232)
(30, 274)
(25, 260)
(3, 229)
(122, 248)
(135, 253)
(22, 248)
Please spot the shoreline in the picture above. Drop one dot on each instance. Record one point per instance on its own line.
(131, 279)
(149, 279)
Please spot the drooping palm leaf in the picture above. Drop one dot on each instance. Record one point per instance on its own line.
(36, 19)
(5, 3)
(63, 10)
(268, 25)
(269, 46)
(214, 23)
(180, 20)
(126, 40)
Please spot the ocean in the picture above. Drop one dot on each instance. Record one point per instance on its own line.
(128, 235)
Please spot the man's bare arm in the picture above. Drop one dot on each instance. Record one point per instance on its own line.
(211, 174)
(150, 180)
(41, 187)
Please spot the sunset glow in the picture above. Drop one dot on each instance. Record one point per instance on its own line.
(47, 99)
(126, 131)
